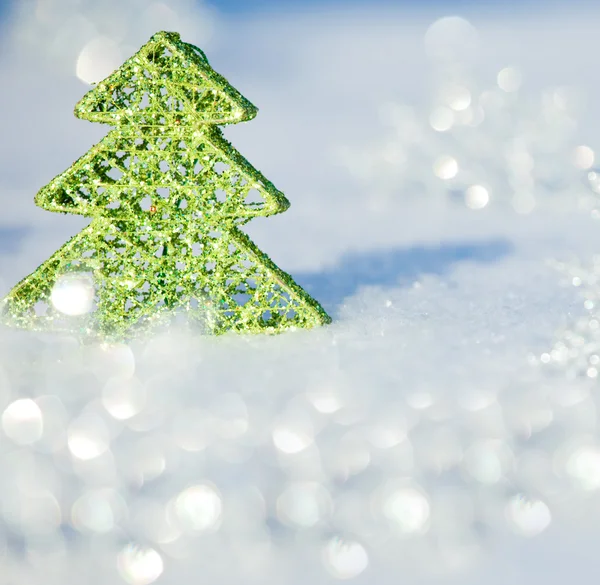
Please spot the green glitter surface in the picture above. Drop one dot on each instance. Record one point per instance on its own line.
(166, 193)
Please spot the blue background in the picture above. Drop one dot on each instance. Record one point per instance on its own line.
(241, 7)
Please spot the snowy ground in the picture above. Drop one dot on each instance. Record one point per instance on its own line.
(418, 439)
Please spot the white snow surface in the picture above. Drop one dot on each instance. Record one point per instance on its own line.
(420, 438)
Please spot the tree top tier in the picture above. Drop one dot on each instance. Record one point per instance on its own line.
(167, 82)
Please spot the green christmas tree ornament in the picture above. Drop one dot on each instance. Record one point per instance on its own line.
(167, 194)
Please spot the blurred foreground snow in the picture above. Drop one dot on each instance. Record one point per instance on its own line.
(421, 438)
(411, 439)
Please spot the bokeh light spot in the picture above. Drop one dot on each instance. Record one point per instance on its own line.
(345, 559)
(87, 437)
(123, 398)
(509, 79)
(73, 294)
(584, 466)
(451, 39)
(441, 119)
(408, 508)
(94, 511)
(583, 157)
(198, 508)
(445, 167)
(139, 565)
(22, 421)
(477, 197)
(304, 504)
(458, 97)
(98, 59)
(527, 517)
(290, 440)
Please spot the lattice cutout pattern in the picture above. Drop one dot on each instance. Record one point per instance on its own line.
(174, 172)
(166, 199)
(168, 82)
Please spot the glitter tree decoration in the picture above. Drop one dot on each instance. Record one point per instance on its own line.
(167, 195)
